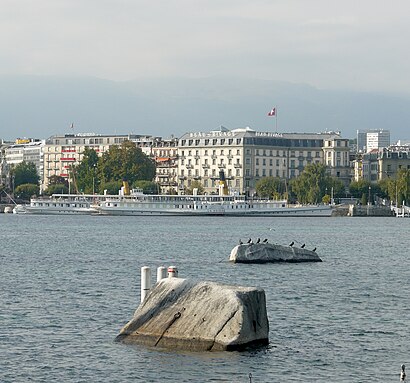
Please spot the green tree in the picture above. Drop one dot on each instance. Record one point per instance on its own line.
(57, 180)
(195, 185)
(56, 189)
(358, 188)
(86, 174)
(25, 173)
(126, 161)
(112, 187)
(26, 191)
(148, 187)
(269, 187)
(311, 184)
(385, 185)
(403, 186)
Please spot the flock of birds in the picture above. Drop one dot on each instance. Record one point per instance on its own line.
(250, 242)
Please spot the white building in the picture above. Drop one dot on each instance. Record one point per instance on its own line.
(28, 150)
(246, 156)
(377, 139)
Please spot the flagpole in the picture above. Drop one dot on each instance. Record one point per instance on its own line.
(276, 118)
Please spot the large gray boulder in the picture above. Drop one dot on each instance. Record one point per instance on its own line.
(269, 252)
(181, 314)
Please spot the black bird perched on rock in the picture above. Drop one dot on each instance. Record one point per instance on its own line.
(314, 249)
(249, 240)
(302, 246)
(265, 240)
(291, 244)
(402, 373)
(258, 240)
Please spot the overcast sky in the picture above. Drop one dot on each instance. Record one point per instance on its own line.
(354, 44)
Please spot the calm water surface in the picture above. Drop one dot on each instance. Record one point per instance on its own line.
(68, 284)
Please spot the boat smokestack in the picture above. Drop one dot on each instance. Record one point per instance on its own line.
(223, 187)
(126, 187)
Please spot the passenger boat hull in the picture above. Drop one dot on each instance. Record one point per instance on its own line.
(302, 211)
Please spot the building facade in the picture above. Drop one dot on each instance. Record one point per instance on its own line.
(378, 165)
(61, 152)
(165, 154)
(246, 156)
(368, 140)
(24, 150)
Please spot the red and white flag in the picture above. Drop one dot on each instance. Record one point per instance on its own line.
(272, 112)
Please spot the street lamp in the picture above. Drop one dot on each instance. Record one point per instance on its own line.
(369, 202)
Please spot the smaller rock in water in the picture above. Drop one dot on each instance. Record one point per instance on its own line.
(268, 252)
(203, 316)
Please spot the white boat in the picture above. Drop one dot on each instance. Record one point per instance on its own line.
(8, 210)
(204, 205)
(59, 204)
(19, 209)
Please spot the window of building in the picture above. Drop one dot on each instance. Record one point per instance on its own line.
(247, 172)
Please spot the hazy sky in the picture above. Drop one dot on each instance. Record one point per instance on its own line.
(356, 44)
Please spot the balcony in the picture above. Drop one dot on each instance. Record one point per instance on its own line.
(221, 166)
(205, 166)
(189, 166)
(237, 165)
(71, 159)
(214, 156)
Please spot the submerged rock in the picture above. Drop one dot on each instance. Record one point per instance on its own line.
(181, 314)
(269, 252)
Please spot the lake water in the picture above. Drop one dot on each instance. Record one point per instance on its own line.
(68, 284)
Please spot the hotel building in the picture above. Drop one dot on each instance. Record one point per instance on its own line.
(246, 156)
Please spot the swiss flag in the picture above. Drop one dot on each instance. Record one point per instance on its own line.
(272, 112)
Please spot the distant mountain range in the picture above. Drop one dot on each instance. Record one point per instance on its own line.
(40, 106)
